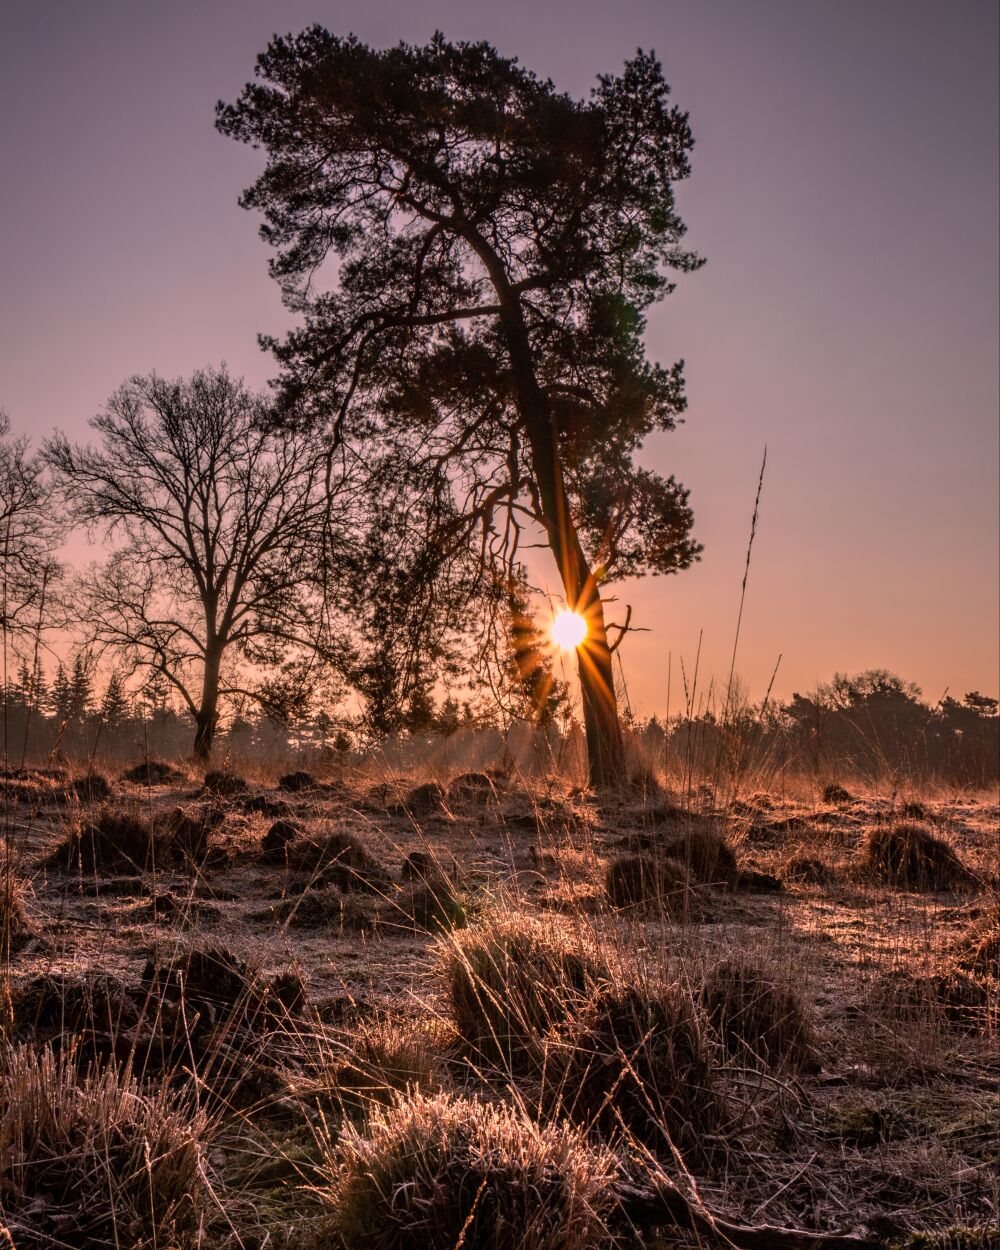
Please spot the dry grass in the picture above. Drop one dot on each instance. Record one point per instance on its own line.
(636, 1063)
(643, 880)
(574, 996)
(94, 1159)
(911, 857)
(436, 1173)
(510, 979)
(15, 927)
(758, 1013)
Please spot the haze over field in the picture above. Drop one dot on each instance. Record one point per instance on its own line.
(844, 193)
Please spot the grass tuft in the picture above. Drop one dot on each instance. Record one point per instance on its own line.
(94, 1159)
(758, 1014)
(911, 857)
(510, 979)
(436, 1173)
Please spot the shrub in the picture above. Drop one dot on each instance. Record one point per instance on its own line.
(754, 1012)
(510, 979)
(911, 857)
(637, 1061)
(95, 1160)
(435, 1173)
(705, 853)
(635, 880)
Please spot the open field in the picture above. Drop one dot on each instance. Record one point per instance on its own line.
(784, 1006)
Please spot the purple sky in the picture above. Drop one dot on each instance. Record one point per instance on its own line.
(844, 191)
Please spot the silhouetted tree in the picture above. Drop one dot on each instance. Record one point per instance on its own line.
(29, 533)
(115, 707)
(499, 243)
(220, 519)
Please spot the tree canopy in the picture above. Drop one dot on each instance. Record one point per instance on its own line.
(495, 245)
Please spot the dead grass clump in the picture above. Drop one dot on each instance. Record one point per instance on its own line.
(15, 927)
(979, 950)
(638, 1062)
(510, 979)
(637, 880)
(96, 1160)
(116, 840)
(335, 858)
(756, 1013)
(152, 773)
(435, 1173)
(911, 857)
(425, 799)
(381, 1058)
(90, 1015)
(90, 788)
(808, 870)
(705, 853)
(433, 904)
(275, 842)
(211, 1004)
(296, 781)
(224, 784)
(835, 793)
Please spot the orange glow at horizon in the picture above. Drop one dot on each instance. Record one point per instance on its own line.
(569, 629)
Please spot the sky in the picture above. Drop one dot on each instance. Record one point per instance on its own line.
(844, 193)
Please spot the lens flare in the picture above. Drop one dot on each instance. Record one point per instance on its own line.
(568, 630)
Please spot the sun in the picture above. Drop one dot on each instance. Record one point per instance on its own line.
(568, 629)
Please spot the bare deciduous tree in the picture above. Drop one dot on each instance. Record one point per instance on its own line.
(28, 534)
(219, 523)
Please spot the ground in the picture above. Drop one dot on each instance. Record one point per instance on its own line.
(890, 1129)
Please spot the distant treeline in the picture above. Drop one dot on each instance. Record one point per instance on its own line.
(873, 726)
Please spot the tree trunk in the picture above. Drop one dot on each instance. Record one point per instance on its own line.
(605, 745)
(207, 715)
